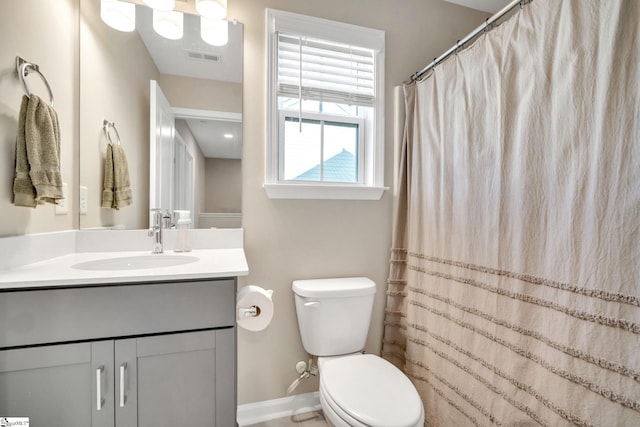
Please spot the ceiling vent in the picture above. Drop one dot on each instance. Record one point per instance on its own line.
(202, 56)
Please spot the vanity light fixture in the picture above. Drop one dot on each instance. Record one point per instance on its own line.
(214, 31)
(118, 15)
(161, 5)
(169, 25)
(212, 9)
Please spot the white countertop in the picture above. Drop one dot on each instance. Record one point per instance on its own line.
(59, 271)
(48, 259)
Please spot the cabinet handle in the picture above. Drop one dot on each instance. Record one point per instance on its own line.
(123, 398)
(100, 399)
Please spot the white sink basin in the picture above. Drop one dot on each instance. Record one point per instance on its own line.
(136, 262)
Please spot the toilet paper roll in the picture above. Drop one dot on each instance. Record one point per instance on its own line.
(254, 308)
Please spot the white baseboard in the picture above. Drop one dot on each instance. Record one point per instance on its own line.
(257, 412)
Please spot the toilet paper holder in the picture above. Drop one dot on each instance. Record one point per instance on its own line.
(254, 308)
(251, 311)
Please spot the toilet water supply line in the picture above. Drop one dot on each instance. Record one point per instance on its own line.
(306, 370)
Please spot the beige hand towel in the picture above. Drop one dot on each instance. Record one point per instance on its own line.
(107, 192)
(117, 187)
(37, 177)
(121, 183)
(42, 134)
(23, 192)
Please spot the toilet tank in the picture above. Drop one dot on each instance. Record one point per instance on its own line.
(334, 314)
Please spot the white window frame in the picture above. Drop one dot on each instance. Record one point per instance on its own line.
(372, 185)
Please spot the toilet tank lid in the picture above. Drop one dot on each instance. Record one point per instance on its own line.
(334, 288)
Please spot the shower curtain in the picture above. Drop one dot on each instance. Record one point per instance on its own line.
(514, 288)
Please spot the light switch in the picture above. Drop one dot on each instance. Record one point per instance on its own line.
(84, 195)
(61, 208)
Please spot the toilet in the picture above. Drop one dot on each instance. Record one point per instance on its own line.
(356, 389)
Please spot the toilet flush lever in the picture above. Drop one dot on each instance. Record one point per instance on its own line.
(312, 303)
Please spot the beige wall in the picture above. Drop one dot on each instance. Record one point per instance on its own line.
(45, 33)
(299, 239)
(186, 92)
(223, 188)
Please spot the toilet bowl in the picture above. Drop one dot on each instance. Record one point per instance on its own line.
(367, 391)
(356, 390)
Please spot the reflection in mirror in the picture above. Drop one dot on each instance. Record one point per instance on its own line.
(185, 155)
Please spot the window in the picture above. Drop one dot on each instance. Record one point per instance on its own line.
(325, 149)
(325, 111)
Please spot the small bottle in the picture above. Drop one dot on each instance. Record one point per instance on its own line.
(182, 226)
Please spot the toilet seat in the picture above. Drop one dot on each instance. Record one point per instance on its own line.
(367, 391)
(334, 415)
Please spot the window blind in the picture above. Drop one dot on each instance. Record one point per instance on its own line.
(324, 71)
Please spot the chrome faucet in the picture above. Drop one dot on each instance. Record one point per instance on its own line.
(157, 224)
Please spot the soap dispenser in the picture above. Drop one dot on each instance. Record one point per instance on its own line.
(183, 224)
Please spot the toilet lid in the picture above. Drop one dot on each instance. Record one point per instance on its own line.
(372, 391)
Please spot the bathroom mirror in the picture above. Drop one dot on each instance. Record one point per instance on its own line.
(182, 154)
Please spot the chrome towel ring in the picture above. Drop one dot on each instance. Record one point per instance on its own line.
(107, 126)
(24, 68)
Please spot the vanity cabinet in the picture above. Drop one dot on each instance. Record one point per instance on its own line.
(158, 354)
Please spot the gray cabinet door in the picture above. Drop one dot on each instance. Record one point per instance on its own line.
(53, 385)
(176, 379)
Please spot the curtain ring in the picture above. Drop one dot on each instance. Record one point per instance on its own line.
(457, 46)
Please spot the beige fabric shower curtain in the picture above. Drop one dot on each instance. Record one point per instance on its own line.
(514, 288)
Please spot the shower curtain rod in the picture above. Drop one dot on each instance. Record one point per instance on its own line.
(470, 36)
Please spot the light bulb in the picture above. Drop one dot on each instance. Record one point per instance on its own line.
(168, 24)
(214, 32)
(118, 15)
(213, 9)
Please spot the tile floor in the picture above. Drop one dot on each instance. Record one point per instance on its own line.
(309, 419)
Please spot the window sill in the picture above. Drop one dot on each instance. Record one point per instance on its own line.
(323, 192)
